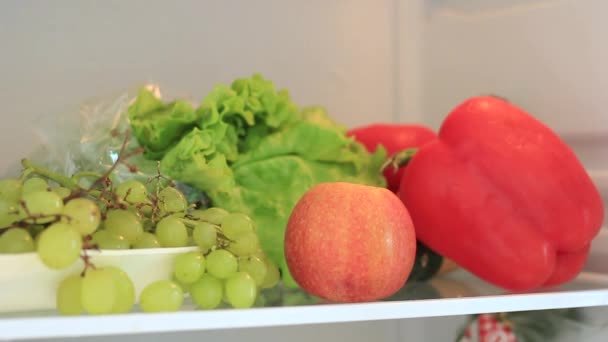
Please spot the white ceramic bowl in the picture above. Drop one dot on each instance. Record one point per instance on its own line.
(26, 284)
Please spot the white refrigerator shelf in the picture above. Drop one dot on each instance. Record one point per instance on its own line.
(458, 293)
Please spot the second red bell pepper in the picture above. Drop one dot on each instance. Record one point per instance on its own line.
(394, 138)
(503, 196)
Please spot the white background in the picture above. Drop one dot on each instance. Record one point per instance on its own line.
(365, 60)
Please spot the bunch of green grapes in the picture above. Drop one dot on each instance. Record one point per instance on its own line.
(38, 216)
(60, 220)
(99, 291)
(228, 268)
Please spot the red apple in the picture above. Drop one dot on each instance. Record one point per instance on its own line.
(348, 242)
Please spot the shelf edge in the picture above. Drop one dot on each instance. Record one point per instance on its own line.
(138, 323)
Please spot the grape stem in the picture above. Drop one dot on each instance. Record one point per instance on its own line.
(32, 218)
(60, 179)
(122, 157)
(222, 239)
(192, 221)
(155, 198)
(84, 174)
(86, 258)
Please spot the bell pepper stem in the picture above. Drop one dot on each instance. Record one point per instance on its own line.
(400, 159)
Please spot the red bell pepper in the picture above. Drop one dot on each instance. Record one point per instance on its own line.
(394, 138)
(499, 193)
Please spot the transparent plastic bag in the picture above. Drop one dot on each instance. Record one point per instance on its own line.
(90, 139)
(85, 140)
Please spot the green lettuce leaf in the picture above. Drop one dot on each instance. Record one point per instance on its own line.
(245, 112)
(195, 161)
(158, 126)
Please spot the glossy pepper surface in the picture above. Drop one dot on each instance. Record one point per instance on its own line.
(500, 193)
(394, 137)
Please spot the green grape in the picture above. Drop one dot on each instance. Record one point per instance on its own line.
(245, 244)
(132, 191)
(189, 267)
(68, 296)
(83, 214)
(16, 240)
(179, 215)
(9, 213)
(212, 215)
(98, 292)
(221, 263)
(34, 184)
(59, 246)
(240, 290)
(172, 232)
(146, 211)
(124, 290)
(185, 287)
(146, 240)
(207, 292)
(133, 209)
(273, 275)
(255, 267)
(161, 296)
(42, 203)
(106, 240)
(260, 254)
(171, 201)
(124, 223)
(62, 192)
(204, 235)
(236, 224)
(191, 242)
(10, 190)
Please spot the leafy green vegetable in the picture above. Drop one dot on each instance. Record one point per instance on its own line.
(254, 151)
(242, 114)
(196, 161)
(160, 125)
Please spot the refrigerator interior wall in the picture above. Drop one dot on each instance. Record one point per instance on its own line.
(55, 55)
(546, 56)
(365, 60)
